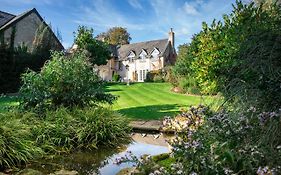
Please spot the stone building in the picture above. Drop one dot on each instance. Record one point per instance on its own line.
(133, 61)
(22, 28)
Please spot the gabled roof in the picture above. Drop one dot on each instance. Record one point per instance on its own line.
(149, 46)
(15, 19)
(5, 18)
(19, 17)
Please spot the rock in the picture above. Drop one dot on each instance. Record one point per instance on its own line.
(176, 89)
(29, 171)
(65, 172)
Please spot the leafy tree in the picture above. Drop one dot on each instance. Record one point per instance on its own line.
(98, 51)
(267, 3)
(115, 36)
(229, 56)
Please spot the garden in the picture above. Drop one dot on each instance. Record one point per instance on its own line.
(230, 125)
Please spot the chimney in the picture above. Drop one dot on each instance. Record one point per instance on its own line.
(172, 37)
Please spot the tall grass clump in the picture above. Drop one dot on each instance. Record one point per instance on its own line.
(87, 128)
(16, 144)
(25, 136)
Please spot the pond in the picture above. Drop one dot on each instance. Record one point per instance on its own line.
(102, 161)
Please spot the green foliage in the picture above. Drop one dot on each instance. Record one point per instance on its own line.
(116, 77)
(238, 57)
(115, 36)
(156, 76)
(63, 81)
(98, 51)
(188, 85)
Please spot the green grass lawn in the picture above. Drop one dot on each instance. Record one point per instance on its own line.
(140, 100)
(151, 100)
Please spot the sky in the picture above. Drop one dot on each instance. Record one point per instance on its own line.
(144, 19)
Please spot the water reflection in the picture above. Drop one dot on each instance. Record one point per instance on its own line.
(102, 161)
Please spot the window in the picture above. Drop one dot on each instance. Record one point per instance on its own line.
(143, 55)
(131, 56)
(142, 75)
(120, 65)
(155, 53)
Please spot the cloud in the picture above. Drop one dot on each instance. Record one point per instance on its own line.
(102, 15)
(190, 9)
(184, 17)
(135, 4)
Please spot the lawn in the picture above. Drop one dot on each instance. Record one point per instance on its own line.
(151, 100)
(140, 100)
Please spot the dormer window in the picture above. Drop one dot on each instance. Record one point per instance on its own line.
(155, 53)
(131, 56)
(143, 54)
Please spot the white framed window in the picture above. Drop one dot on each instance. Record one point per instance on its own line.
(143, 55)
(155, 53)
(142, 75)
(131, 56)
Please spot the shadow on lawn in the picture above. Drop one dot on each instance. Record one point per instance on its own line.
(151, 112)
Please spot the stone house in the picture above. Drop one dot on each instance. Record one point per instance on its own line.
(22, 28)
(133, 61)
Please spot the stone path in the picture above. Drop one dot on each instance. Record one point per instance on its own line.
(151, 125)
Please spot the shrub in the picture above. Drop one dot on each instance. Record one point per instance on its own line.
(155, 76)
(229, 143)
(188, 85)
(63, 81)
(116, 77)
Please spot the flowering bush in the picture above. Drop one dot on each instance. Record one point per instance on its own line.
(228, 143)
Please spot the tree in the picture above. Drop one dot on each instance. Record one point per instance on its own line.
(98, 51)
(238, 57)
(266, 2)
(115, 36)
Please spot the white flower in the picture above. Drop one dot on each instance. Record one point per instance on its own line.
(179, 172)
(193, 173)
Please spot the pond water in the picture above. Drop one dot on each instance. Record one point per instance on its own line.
(102, 161)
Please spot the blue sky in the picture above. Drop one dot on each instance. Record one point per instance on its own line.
(144, 19)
